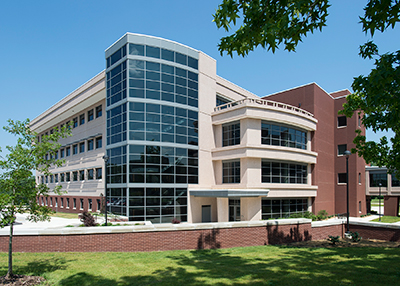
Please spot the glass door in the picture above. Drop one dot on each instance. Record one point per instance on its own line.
(234, 209)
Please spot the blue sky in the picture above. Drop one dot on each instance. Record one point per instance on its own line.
(49, 48)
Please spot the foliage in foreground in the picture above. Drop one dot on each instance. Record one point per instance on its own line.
(260, 265)
(376, 97)
(19, 189)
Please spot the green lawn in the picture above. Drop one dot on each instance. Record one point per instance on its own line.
(375, 202)
(388, 219)
(261, 265)
(65, 215)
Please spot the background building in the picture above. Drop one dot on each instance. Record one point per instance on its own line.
(334, 135)
(185, 143)
(389, 189)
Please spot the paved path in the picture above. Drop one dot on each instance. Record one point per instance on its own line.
(23, 223)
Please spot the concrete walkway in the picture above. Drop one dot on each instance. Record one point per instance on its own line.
(22, 223)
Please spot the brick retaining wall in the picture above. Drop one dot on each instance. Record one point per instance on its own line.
(157, 240)
(199, 236)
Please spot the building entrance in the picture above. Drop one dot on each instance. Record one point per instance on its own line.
(234, 209)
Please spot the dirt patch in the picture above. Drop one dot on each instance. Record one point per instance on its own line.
(19, 280)
(346, 243)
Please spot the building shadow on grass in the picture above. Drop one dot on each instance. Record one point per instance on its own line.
(283, 266)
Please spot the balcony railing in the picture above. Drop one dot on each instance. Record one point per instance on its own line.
(261, 102)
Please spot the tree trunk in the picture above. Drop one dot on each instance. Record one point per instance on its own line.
(10, 272)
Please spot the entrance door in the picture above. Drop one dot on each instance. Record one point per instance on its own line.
(234, 209)
(206, 213)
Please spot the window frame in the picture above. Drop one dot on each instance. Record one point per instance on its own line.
(340, 122)
(231, 134)
(231, 173)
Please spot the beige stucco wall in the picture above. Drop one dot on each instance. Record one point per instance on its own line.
(89, 96)
(250, 209)
(196, 204)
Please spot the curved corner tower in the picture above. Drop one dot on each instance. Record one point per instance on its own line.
(152, 136)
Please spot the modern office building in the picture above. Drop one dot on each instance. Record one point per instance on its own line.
(185, 143)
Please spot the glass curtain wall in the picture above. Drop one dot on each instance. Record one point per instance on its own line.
(152, 131)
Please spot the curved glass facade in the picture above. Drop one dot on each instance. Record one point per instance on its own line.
(152, 128)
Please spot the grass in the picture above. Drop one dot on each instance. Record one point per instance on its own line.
(375, 202)
(259, 265)
(65, 215)
(387, 219)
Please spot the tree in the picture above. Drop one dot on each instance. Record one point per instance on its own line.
(376, 97)
(19, 190)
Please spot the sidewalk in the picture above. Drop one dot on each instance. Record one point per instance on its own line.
(22, 223)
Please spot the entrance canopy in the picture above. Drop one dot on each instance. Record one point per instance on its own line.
(230, 193)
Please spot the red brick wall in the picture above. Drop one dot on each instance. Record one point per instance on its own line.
(319, 233)
(381, 233)
(189, 239)
(161, 240)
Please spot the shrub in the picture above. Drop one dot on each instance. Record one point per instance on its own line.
(322, 214)
(87, 219)
(306, 214)
(355, 236)
(333, 239)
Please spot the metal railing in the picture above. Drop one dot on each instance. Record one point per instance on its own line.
(262, 102)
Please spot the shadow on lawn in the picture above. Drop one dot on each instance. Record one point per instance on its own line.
(85, 279)
(278, 265)
(38, 267)
(284, 267)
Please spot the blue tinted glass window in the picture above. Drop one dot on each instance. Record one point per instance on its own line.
(153, 94)
(167, 69)
(115, 71)
(193, 76)
(192, 84)
(167, 55)
(153, 85)
(136, 73)
(136, 93)
(136, 83)
(135, 49)
(152, 66)
(193, 63)
(181, 112)
(136, 116)
(167, 109)
(136, 64)
(154, 108)
(181, 90)
(180, 99)
(167, 87)
(153, 75)
(153, 52)
(193, 102)
(181, 58)
(167, 96)
(180, 72)
(192, 93)
(167, 78)
(180, 81)
(136, 106)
